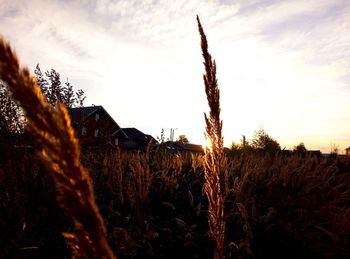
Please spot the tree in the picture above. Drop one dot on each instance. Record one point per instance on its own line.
(51, 86)
(11, 115)
(236, 149)
(244, 146)
(263, 141)
(12, 118)
(183, 139)
(300, 149)
(334, 151)
(161, 138)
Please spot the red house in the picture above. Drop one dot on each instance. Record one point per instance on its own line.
(347, 151)
(95, 127)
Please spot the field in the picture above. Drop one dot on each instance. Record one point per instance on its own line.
(153, 206)
(57, 201)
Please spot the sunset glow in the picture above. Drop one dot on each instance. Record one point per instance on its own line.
(207, 144)
(175, 129)
(281, 65)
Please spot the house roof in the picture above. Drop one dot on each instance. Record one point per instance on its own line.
(314, 152)
(137, 135)
(176, 145)
(80, 113)
(193, 147)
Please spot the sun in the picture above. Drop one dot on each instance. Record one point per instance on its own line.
(207, 144)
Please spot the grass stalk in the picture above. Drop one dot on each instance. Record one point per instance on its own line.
(213, 154)
(60, 153)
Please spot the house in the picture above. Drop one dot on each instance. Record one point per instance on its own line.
(316, 153)
(347, 152)
(176, 146)
(135, 139)
(95, 127)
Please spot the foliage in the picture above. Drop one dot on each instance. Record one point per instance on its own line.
(334, 150)
(263, 141)
(300, 149)
(161, 138)
(183, 139)
(52, 88)
(235, 148)
(11, 115)
(244, 147)
(12, 118)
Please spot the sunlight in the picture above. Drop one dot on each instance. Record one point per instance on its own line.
(207, 144)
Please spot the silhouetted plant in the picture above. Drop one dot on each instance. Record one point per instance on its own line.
(61, 154)
(214, 153)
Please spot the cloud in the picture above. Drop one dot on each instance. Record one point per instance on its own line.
(141, 59)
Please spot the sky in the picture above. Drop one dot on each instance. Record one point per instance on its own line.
(283, 66)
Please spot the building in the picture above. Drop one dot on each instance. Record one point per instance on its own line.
(347, 152)
(96, 128)
(179, 147)
(135, 139)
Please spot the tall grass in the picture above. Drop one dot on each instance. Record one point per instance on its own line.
(254, 206)
(61, 154)
(214, 153)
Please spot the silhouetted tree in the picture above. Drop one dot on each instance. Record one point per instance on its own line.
(334, 151)
(161, 138)
(183, 139)
(12, 119)
(263, 141)
(300, 149)
(235, 149)
(50, 84)
(244, 146)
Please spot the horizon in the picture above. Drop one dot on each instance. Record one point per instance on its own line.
(281, 66)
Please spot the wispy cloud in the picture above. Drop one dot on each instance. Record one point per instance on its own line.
(283, 65)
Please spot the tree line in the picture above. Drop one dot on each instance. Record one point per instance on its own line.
(12, 118)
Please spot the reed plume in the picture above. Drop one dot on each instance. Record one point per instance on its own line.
(60, 152)
(214, 153)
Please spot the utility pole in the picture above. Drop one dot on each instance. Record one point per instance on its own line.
(171, 138)
(172, 134)
(243, 140)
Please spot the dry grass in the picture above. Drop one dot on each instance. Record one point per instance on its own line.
(293, 207)
(260, 206)
(213, 155)
(60, 152)
(302, 200)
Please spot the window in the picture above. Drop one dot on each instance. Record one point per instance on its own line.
(83, 131)
(96, 133)
(97, 117)
(116, 142)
